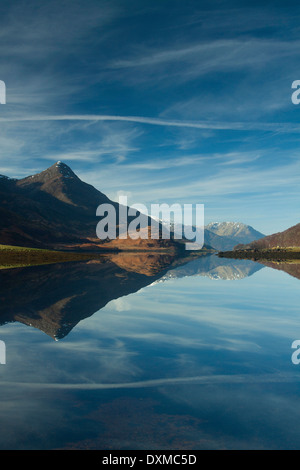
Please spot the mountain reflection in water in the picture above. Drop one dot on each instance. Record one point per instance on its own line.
(198, 357)
(55, 298)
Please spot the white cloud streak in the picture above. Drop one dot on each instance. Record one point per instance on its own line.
(239, 126)
(200, 380)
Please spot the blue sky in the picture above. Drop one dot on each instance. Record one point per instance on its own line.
(165, 101)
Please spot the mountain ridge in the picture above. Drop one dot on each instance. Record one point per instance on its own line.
(223, 236)
(55, 209)
(232, 233)
(289, 238)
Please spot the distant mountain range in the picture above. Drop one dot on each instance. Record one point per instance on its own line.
(226, 235)
(223, 236)
(56, 209)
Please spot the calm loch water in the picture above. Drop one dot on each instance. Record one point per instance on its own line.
(150, 352)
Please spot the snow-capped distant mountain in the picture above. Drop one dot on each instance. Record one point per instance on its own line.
(223, 236)
(234, 232)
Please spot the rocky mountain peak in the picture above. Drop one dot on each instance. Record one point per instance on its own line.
(63, 169)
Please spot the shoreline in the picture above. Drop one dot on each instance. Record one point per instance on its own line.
(265, 254)
(15, 256)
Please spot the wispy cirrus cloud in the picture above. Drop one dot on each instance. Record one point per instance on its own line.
(213, 55)
(128, 93)
(213, 125)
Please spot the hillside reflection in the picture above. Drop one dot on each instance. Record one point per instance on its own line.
(55, 298)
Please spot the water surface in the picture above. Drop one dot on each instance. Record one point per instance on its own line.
(150, 352)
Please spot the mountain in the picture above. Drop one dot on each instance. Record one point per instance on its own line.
(220, 243)
(226, 235)
(287, 239)
(60, 182)
(48, 209)
(56, 209)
